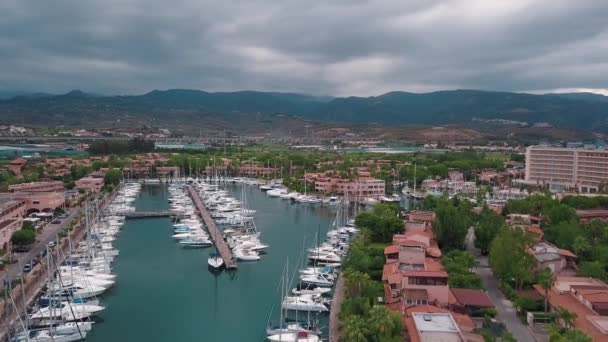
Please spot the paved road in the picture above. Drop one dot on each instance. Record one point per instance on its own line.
(46, 235)
(505, 311)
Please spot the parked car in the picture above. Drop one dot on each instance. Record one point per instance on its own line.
(27, 267)
(56, 221)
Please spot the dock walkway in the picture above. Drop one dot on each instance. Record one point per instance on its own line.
(145, 214)
(214, 233)
(334, 312)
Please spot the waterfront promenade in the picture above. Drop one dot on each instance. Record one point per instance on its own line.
(214, 233)
(24, 293)
(334, 313)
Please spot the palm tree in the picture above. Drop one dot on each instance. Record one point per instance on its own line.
(355, 281)
(379, 319)
(545, 280)
(568, 317)
(354, 330)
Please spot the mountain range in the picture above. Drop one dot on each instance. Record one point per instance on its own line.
(583, 111)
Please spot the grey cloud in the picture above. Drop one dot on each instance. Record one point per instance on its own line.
(340, 47)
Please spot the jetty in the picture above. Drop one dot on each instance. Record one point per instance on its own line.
(145, 214)
(214, 233)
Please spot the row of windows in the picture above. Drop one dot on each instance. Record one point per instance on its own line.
(427, 281)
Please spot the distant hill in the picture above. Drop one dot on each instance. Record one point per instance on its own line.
(583, 97)
(581, 111)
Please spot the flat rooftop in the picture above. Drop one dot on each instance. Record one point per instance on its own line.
(437, 327)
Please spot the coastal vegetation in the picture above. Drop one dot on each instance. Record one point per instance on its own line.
(362, 317)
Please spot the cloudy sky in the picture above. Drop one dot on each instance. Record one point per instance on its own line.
(333, 47)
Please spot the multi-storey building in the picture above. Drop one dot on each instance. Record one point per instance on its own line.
(11, 216)
(37, 186)
(566, 168)
(357, 188)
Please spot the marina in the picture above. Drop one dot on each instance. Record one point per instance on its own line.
(159, 285)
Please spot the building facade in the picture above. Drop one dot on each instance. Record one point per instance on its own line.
(37, 186)
(567, 168)
(11, 218)
(91, 184)
(358, 188)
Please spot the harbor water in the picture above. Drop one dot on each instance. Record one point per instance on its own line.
(165, 293)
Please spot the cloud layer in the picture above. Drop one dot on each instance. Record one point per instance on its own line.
(338, 47)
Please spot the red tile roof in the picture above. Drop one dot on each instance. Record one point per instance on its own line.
(392, 249)
(389, 268)
(471, 297)
(394, 278)
(567, 253)
(568, 302)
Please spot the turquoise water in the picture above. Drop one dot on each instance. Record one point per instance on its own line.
(12, 151)
(165, 293)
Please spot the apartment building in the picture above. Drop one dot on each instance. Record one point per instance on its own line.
(92, 184)
(567, 168)
(363, 186)
(11, 216)
(37, 186)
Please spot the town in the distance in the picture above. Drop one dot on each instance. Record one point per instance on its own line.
(333, 239)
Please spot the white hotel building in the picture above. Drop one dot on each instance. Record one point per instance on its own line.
(567, 168)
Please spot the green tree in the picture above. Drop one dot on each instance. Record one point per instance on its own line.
(545, 280)
(593, 269)
(487, 228)
(451, 225)
(509, 257)
(563, 234)
(459, 265)
(383, 324)
(354, 329)
(381, 223)
(112, 177)
(23, 237)
(355, 282)
(568, 317)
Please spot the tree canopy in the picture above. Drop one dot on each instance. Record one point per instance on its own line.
(381, 223)
(451, 224)
(509, 257)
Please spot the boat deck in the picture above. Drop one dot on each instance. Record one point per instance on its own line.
(214, 233)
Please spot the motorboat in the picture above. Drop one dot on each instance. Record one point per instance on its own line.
(314, 291)
(215, 261)
(195, 243)
(301, 336)
(68, 311)
(50, 335)
(245, 255)
(293, 327)
(318, 279)
(304, 303)
(75, 290)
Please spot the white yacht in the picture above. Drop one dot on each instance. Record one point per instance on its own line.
(304, 303)
(215, 261)
(301, 336)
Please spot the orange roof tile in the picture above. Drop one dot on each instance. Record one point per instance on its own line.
(389, 268)
(568, 302)
(567, 253)
(433, 265)
(472, 297)
(394, 278)
(391, 249)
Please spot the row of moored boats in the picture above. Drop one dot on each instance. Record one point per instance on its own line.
(67, 308)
